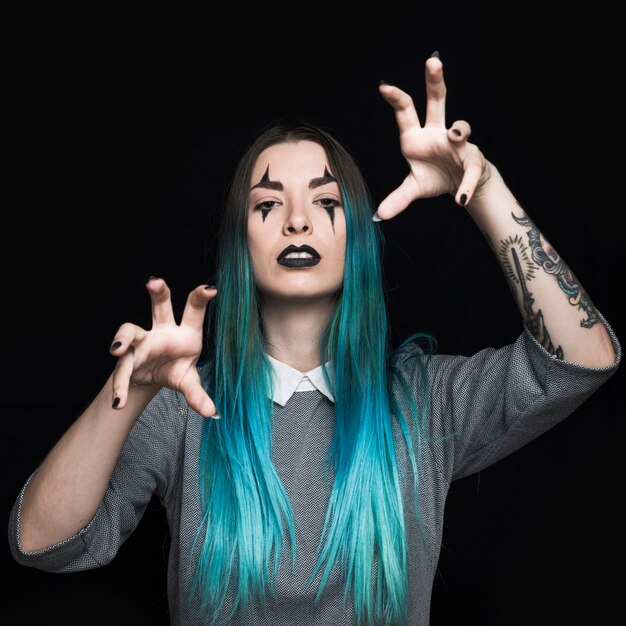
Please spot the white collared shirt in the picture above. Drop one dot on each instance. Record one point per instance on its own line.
(288, 380)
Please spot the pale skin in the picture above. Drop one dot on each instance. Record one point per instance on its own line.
(296, 303)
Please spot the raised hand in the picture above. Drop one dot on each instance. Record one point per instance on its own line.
(441, 160)
(167, 354)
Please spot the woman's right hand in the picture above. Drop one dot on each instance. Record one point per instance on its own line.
(167, 354)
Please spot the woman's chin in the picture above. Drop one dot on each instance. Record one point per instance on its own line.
(310, 293)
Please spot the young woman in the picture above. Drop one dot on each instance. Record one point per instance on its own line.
(316, 495)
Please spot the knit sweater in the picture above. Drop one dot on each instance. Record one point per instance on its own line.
(482, 407)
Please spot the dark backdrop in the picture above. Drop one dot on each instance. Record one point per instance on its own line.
(124, 130)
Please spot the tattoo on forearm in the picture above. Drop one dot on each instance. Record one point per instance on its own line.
(513, 249)
(519, 269)
(548, 259)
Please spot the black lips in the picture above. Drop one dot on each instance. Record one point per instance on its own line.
(302, 248)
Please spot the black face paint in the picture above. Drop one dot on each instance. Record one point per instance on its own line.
(330, 209)
(331, 213)
(266, 183)
(266, 176)
(325, 179)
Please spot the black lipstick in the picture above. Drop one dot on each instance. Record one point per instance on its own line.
(308, 262)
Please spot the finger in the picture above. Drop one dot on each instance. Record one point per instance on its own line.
(435, 92)
(402, 103)
(121, 379)
(160, 295)
(473, 170)
(459, 131)
(197, 398)
(195, 309)
(125, 336)
(399, 199)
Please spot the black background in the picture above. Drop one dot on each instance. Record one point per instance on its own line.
(123, 131)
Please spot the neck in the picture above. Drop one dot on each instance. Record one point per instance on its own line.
(293, 329)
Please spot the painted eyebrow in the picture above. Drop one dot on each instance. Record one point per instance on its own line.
(326, 178)
(266, 183)
(276, 185)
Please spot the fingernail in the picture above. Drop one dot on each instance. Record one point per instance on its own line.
(116, 403)
(383, 82)
(463, 199)
(210, 287)
(456, 131)
(435, 54)
(116, 345)
(153, 278)
(376, 218)
(216, 416)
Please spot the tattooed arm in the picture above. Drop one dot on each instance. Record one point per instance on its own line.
(553, 303)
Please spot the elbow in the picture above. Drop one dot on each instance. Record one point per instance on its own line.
(29, 541)
(606, 358)
(29, 537)
(603, 354)
(595, 351)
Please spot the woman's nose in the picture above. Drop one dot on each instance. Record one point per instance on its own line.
(298, 222)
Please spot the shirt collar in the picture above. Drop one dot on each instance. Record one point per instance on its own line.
(288, 380)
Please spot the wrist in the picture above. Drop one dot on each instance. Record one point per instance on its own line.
(488, 181)
(136, 384)
(491, 192)
(491, 208)
(146, 390)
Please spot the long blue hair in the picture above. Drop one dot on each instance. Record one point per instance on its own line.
(245, 506)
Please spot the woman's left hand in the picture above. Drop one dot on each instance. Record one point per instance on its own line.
(441, 159)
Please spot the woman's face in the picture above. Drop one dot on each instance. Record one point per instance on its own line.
(295, 201)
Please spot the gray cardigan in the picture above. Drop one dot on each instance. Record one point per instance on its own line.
(482, 408)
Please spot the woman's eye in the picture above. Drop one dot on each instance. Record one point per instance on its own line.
(329, 203)
(266, 205)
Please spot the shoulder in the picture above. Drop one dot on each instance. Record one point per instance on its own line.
(415, 351)
(409, 365)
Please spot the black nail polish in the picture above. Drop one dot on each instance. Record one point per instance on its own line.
(435, 54)
(383, 82)
(116, 403)
(116, 345)
(210, 287)
(457, 132)
(463, 199)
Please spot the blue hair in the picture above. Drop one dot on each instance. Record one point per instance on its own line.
(245, 506)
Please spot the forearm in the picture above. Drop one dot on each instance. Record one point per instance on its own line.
(68, 487)
(554, 305)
